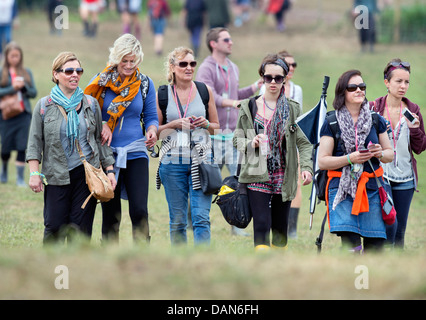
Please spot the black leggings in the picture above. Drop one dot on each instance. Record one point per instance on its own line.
(135, 179)
(62, 208)
(270, 213)
(352, 241)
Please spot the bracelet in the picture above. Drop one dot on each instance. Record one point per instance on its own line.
(349, 160)
(104, 122)
(42, 176)
(208, 124)
(383, 154)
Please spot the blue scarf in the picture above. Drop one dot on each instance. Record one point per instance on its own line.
(73, 123)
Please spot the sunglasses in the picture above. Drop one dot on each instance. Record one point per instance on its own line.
(184, 64)
(403, 64)
(353, 87)
(154, 153)
(268, 78)
(294, 64)
(227, 40)
(70, 71)
(394, 65)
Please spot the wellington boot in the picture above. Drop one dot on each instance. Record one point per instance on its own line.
(262, 248)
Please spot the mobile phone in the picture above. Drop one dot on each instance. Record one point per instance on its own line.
(409, 115)
(363, 150)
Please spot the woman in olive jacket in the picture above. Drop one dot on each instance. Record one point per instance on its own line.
(54, 141)
(268, 139)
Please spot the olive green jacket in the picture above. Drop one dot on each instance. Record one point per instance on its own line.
(44, 142)
(254, 165)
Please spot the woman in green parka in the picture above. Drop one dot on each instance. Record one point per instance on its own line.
(268, 139)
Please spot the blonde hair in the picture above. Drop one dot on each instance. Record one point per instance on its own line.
(172, 58)
(124, 45)
(60, 60)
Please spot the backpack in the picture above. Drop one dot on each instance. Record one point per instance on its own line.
(163, 98)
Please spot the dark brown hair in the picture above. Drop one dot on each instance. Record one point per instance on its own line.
(387, 73)
(273, 59)
(342, 83)
(20, 70)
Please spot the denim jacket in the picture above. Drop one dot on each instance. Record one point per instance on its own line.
(254, 165)
(44, 143)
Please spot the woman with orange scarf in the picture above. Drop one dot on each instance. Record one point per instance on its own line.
(126, 97)
(353, 201)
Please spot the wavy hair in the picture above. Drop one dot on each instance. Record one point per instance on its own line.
(177, 54)
(124, 45)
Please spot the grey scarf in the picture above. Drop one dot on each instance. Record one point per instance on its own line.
(349, 180)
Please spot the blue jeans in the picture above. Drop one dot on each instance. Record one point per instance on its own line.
(5, 35)
(177, 182)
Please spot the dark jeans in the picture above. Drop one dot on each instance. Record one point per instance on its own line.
(396, 232)
(270, 213)
(135, 179)
(62, 208)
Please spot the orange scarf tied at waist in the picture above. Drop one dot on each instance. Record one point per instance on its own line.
(361, 198)
(126, 91)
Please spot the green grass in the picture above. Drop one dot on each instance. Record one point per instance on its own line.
(229, 268)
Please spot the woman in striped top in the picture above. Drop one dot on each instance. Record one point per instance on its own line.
(185, 128)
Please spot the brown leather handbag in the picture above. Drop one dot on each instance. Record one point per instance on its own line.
(10, 106)
(97, 181)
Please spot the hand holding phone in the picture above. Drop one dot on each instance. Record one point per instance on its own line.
(409, 116)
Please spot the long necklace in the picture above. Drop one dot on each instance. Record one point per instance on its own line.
(395, 137)
(187, 103)
(266, 124)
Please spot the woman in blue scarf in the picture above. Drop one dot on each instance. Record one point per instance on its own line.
(53, 141)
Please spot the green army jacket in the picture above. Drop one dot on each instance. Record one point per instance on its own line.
(44, 143)
(254, 165)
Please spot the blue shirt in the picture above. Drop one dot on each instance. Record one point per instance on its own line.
(128, 127)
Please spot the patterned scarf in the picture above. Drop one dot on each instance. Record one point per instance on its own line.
(348, 184)
(70, 105)
(276, 133)
(126, 91)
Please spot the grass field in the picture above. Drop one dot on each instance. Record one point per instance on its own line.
(323, 44)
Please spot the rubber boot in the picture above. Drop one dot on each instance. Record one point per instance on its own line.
(3, 177)
(20, 181)
(94, 29)
(262, 248)
(86, 29)
(292, 223)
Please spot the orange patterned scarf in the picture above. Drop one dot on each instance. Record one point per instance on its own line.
(125, 91)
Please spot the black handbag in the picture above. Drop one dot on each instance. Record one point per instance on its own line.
(210, 178)
(235, 205)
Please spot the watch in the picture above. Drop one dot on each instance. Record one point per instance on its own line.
(109, 171)
(383, 154)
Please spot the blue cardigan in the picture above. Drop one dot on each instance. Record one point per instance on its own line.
(129, 128)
